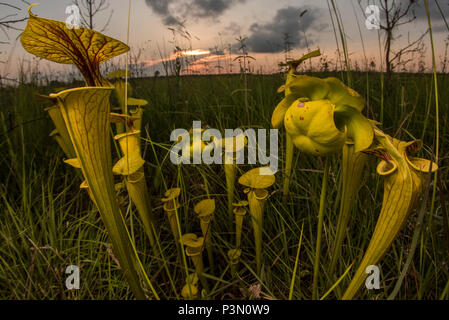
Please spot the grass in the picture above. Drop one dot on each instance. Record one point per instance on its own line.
(47, 223)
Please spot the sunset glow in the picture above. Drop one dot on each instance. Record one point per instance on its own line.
(196, 52)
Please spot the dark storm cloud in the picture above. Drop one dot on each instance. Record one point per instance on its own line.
(212, 8)
(170, 9)
(159, 6)
(269, 37)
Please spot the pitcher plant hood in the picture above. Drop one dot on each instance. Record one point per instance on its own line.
(193, 243)
(254, 179)
(85, 48)
(132, 160)
(205, 208)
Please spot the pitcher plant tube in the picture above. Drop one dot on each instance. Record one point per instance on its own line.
(234, 260)
(130, 166)
(205, 210)
(239, 213)
(190, 291)
(236, 144)
(193, 150)
(122, 90)
(256, 182)
(171, 206)
(86, 115)
(352, 166)
(403, 185)
(194, 246)
(137, 111)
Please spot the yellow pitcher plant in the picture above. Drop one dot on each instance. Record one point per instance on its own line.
(236, 144)
(205, 210)
(75, 163)
(403, 185)
(256, 182)
(85, 112)
(171, 207)
(230, 167)
(137, 111)
(190, 291)
(195, 146)
(234, 260)
(239, 212)
(126, 121)
(123, 89)
(130, 166)
(86, 115)
(194, 246)
(321, 116)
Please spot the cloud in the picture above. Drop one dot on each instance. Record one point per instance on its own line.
(270, 37)
(233, 29)
(203, 9)
(212, 8)
(160, 6)
(170, 20)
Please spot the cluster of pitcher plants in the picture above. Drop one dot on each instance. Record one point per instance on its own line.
(321, 117)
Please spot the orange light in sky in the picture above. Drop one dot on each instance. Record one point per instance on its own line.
(197, 52)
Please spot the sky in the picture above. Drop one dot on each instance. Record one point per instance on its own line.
(214, 25)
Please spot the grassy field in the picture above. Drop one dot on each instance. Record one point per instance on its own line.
(47, 223)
